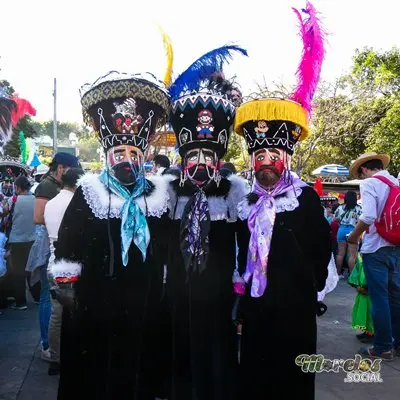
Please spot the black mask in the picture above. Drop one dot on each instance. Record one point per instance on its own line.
(125, 173)
(202, 175)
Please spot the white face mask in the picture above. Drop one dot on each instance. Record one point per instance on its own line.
(201, 165)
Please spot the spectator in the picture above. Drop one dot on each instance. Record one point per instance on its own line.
(161, 164)
(381, 259)
(347, 214)
(21, 239)
(227, 169)
(53, 215)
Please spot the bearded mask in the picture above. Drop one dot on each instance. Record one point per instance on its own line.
(125, 163)
(201, 166)
(270, 165)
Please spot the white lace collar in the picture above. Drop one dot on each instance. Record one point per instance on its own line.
(98, 198)
(286, 202)
(221, 208)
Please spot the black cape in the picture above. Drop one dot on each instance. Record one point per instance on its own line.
(204, 340)
(281, 325)
(111, 343)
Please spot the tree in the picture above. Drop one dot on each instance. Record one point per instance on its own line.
(63, 130)
(237, 152)
(88, 149)
(359, 112)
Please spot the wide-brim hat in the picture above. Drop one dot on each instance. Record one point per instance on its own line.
(355, 165)
(202, 120)
(285, 123)
(125, 108)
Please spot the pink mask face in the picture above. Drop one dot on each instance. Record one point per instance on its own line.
(269, 165)
(201, 165)
(124, 153)
(275, 158)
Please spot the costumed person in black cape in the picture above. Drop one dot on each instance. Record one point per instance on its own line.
(289, 245)
(202, 249)
(109, 254)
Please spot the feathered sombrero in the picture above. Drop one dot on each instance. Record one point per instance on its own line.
(12, 109)
(284, 122)
(127, 109)
(203, 102)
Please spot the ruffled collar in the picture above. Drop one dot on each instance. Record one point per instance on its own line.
(222, 200)
(286, 202)
(153, 203)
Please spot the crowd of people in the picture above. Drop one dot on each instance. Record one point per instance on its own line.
(145, 278)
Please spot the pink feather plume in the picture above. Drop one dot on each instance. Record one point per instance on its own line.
(23, 107)
(309, 70)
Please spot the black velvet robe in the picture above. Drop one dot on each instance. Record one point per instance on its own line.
(112, 343)
(204, 345)
(281, 324)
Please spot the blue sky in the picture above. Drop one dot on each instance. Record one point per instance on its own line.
(79, 40)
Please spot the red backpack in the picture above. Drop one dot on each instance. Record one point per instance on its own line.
(388, 225)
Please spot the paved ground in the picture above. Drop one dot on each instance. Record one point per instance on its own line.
(23, 376)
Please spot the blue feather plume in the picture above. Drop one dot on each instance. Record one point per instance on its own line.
(203, 69)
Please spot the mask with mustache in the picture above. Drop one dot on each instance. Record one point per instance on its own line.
(201, 165)
(269, 165)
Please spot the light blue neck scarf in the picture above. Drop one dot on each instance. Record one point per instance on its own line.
(134, 224)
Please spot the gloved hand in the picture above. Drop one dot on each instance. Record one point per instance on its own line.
(64, 293)
(321, 308)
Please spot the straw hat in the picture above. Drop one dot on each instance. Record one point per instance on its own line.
(355, 165)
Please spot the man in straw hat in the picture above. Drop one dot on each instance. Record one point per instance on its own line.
(381, 258)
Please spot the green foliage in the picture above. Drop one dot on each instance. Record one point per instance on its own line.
(359, 113)
(377, 70)
(237, 152)
(88, 148)
(63, 130)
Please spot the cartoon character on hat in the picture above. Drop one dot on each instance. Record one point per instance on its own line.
(205, 127)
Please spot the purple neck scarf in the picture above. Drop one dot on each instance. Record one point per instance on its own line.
(261, 222)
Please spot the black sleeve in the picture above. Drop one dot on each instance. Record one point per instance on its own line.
(242, 240)
(159, 230)
(319, 236)
(69, 248)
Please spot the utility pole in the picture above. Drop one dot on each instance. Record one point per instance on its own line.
(55, 117)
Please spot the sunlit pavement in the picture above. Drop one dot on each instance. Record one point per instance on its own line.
(23, 375)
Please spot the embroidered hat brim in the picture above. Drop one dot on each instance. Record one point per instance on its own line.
(125, 109)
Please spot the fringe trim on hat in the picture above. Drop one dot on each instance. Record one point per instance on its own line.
(269, 110)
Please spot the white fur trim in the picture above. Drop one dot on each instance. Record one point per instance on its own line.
(97, 197)
(221, 208)
(287, 202)
(65, 269)
(331, 281)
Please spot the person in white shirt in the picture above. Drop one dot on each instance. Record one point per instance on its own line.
(381, 259)
(53, 215)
